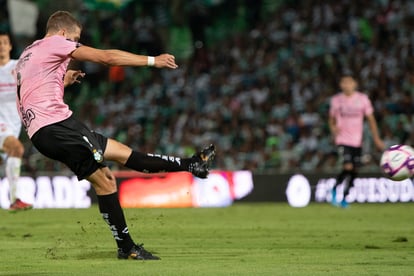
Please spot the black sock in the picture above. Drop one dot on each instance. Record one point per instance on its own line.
(152, 163)
(340, 178)
(352, 175)
(114, 216)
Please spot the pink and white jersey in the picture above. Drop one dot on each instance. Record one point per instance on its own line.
(9, 118)
(40, 73)
(349, 113)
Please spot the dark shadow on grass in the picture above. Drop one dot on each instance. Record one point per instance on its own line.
(400, 239)
(372, 247)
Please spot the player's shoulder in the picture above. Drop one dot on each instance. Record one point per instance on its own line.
(47, 42)
(59, 39)
(362, 95)
(10, 65)
(337, 97)
(13, 62)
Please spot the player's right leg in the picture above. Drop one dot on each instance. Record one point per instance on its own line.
(345, 155)
(14, 150)
(349, 184)
(198, 164)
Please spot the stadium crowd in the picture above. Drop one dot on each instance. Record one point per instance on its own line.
(256, 78)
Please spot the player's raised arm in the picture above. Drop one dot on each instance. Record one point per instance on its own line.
(122, 58)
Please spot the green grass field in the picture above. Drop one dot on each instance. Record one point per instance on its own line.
(244, 239)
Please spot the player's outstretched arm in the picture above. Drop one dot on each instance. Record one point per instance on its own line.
(122, 58)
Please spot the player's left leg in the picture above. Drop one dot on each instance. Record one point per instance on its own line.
(104, 184)
(343, 178)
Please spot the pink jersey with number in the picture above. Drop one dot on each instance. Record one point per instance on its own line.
(349, 113)
(40, 73)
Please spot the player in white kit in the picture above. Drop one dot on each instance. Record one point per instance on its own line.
(11, 148)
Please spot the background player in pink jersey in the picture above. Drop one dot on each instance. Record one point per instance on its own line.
(346, 119)
(10, 124)
(41, 75)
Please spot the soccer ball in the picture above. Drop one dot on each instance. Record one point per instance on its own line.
(397, 162)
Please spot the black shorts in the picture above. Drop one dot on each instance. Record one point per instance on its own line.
(349, 154)
(72, 143)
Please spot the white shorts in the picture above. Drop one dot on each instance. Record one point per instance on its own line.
(6, 131)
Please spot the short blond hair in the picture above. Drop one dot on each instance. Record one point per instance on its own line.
(62, 20)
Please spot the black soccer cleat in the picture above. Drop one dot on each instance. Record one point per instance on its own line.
(137, 252)
(201, 161)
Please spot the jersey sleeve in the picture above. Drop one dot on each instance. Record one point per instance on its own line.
(369, 109)
(332, 107)
(64, 47)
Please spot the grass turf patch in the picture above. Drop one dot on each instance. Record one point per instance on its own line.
(244, 239)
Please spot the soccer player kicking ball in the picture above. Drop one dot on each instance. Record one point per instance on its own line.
(346, 117)
(11, 149)
(41, 76)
